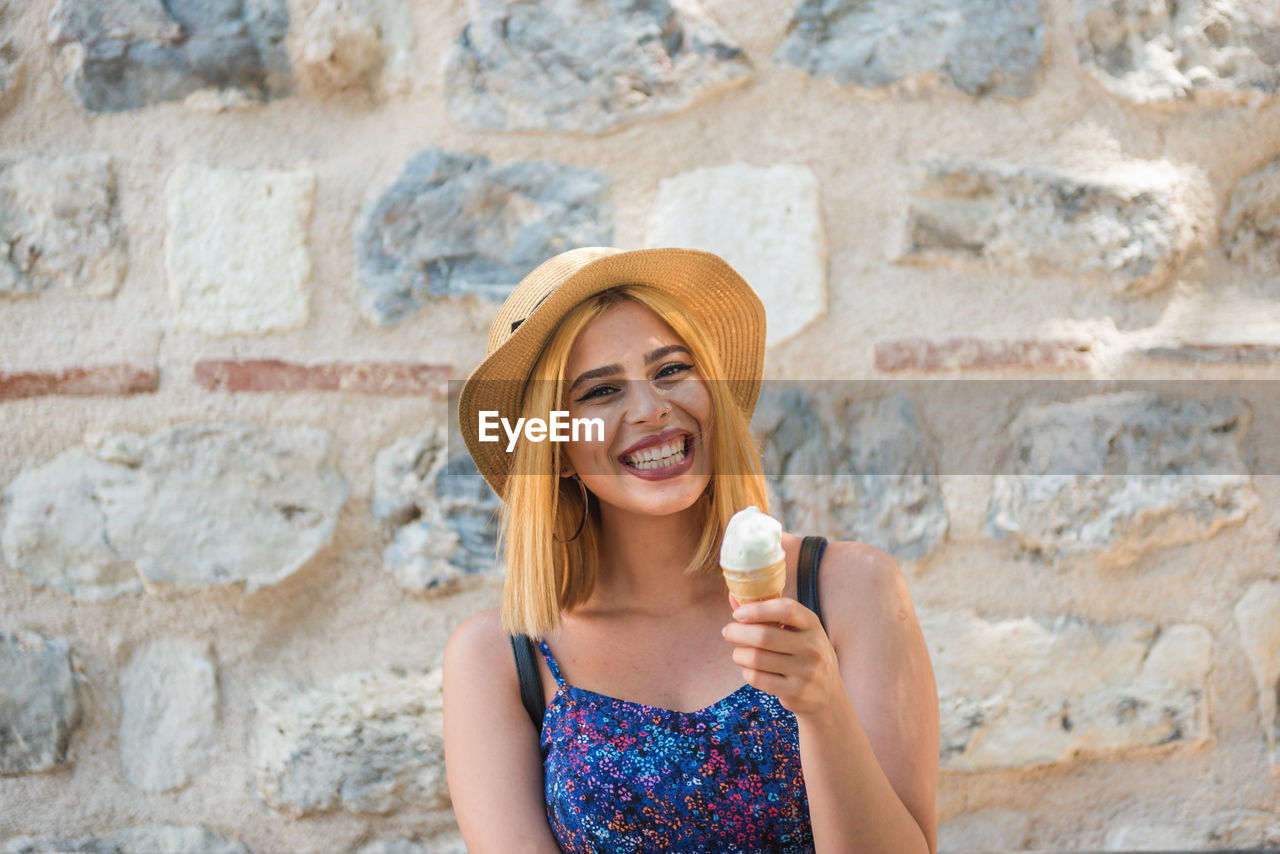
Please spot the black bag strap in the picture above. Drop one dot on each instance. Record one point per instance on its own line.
(811, 550)
(530, 679)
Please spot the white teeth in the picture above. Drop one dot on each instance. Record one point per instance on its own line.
(658, 458)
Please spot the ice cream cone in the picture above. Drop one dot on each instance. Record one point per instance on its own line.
(755, 585)
(751, 556)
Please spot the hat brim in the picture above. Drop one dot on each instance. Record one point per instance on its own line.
(718, 298)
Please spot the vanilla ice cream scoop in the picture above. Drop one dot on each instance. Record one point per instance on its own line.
(751, 556)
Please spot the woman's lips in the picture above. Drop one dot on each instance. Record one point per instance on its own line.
(669, 471)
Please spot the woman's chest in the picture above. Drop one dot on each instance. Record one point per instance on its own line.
(682, 668)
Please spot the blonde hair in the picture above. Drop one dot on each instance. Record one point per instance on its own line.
(545, 576)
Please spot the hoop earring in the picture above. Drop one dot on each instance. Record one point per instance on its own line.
(581, 522)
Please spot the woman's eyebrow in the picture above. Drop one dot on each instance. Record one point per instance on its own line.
(649, 359)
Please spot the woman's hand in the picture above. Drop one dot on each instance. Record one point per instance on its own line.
(783, 650)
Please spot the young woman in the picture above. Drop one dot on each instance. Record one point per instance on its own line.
(649, 739)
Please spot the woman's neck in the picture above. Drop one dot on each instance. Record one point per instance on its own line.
(643, 558)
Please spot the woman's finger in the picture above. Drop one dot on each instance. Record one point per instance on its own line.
(754, 658)
(783, 611)
(765, 636)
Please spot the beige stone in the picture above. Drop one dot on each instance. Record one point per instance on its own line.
(1233, 830)
(236, 251)
(765, 221)
(1258, 619)
(368, 742)
(1022, 692)
(169, 713)
(338, 44)
(60, 225)
(193, 506)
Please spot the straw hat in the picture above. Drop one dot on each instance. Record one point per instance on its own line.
(717, 297)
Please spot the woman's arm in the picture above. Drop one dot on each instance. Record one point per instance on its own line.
(491, 748)
(865, 702)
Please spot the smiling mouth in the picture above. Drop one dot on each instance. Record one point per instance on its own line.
(662, 457)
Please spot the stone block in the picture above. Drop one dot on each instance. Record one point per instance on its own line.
(11, 64)
(959, 354)
(1197, 352)
(39, 709)
(981, 47)
(441, 514)
(1109, 477)
(585, 65)
(193, 506)
(1129, 229)
(60, 225)
(1251, 224)
(1233, 830)
(117, 55)
(1017, 693)
(1204, 52)
(341, 44)
(118, 379)
(1257, 615)
(765, 221)
(454, 224)
(987, 830)
(151, 839)
(366, 743)
(386, 378)
(848, 469)
(169, 713)
(236, 249)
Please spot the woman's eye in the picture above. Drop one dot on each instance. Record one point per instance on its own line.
(673, 369)
(597, 391)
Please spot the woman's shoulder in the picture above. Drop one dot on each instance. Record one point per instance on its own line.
(862, 589)
(479, 646)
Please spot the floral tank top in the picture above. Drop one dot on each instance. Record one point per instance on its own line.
(627, 777)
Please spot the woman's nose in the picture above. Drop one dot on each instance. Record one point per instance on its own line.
(646, 403)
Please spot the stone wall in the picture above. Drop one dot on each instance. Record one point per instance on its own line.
(250, 243)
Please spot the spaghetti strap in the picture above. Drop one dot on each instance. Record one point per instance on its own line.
(551, 663)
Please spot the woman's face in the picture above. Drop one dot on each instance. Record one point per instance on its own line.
(630, 370)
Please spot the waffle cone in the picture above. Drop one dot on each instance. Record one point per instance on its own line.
(755, 585)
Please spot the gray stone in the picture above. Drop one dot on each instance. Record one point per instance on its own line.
(442, 514)
(1128, 228)
(454, 224)
(1257, 617)
(1233, 830)
(124, 54)
(846, 469)
(1251, 224)
(585, 65)
(1111, 476)
(38, 705)
(153, 839)
(60, 225)
(1021, 692)
(1200, 51)
(367, 743)
(982, 47)
(169, 710)
(193, 506)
